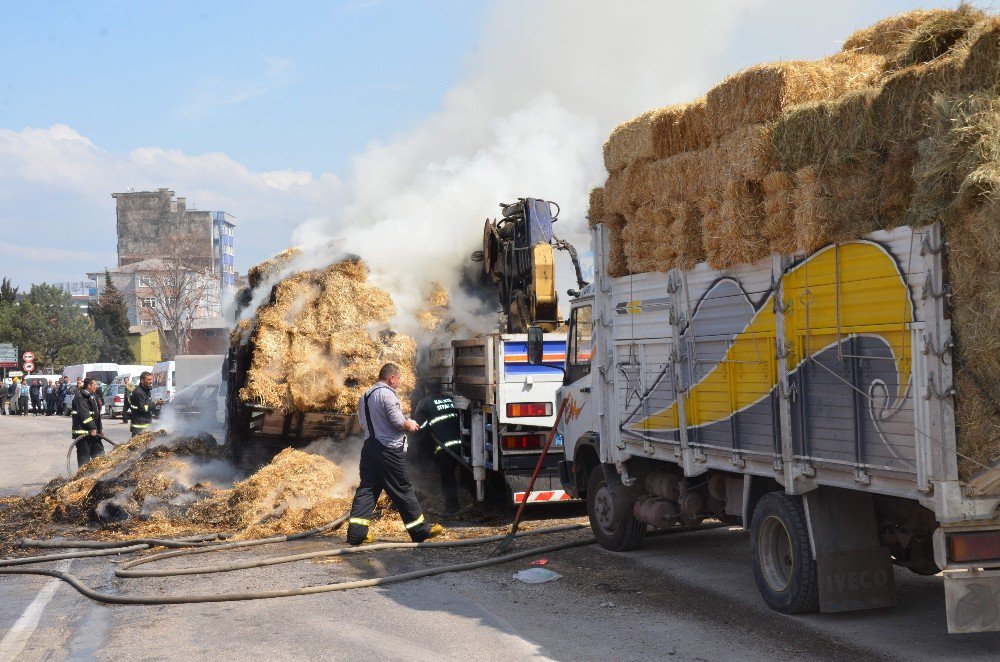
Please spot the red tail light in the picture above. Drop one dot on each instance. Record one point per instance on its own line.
(525, 409)
(118, 399)
(522, 442)
(969, 547)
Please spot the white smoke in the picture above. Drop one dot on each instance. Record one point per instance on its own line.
(528, 118)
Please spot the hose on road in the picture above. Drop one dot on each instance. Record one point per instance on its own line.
(198, 545)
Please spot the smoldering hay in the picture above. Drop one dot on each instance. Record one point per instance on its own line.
(900, 127)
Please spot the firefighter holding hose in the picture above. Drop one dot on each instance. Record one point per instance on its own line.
(441, 436)
(141, 406)
(87, 423)
(383, 462)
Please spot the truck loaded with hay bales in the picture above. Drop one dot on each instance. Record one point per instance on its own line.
(795, 321)
(298, 366)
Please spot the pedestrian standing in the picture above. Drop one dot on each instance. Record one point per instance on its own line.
(3, 398)
(61, 390)
(22, 400)
(13, 395)
(127, 404)
(87, 423)
(383, 462)
(35, 393)
(50, 398)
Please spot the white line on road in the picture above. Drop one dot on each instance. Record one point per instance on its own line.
(15, 641)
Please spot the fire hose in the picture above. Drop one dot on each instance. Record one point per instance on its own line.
(69, 452)
(199, 545)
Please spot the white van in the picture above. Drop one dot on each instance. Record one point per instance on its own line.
(130, 371)
(164, 381)
(102, 372)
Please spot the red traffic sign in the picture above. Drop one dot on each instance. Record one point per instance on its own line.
(28, 366)
(28, 357)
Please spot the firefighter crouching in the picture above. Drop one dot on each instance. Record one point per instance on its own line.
(440, 433)
(383, 462)
(141, 406)
(86, 414)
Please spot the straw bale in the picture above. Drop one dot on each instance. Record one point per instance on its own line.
(686, 234)
(258, 274)
(836, 203)
(935, 36)
(890, 35)
(683, 176)
(595, 212)
(617, 262)
(683, 128)
(316, 346)
(624, 190)
(758, 95)
(980, 51)
(733, 234)
(633, 141)
(826, 131)
(896, 185)
(779, 211)
(746, 153)
(903, 105)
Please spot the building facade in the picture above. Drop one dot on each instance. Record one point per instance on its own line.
(150, 224)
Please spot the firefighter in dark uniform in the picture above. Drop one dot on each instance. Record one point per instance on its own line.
(141, 406)
(383, 462)
(440, 432)
(87, 423)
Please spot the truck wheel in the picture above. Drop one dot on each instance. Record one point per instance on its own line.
(612, 532)
(781, 555)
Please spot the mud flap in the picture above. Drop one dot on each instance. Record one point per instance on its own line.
(972, 601)
(854, 570)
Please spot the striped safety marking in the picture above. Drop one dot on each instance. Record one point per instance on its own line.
(535, 497)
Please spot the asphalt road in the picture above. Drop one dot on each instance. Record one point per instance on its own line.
(687, 596)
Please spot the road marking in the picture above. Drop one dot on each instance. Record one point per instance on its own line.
(15, 641)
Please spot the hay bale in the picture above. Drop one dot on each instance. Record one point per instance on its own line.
(744, 154)
(624, 190)
(896, 185)
(633, 141)
(826, 131)
(759, 94)
(617, 262)
(686, 234)
(935, 36)
(889, 36)
(733, 234)
(903, 105)
(779, 211)
(316, 346)
(683, 128)
(836, 203)
(260, 273)
(595, 212)
(980, 52)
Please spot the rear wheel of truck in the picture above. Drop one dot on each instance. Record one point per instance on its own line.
(612, 531)
(781, 555)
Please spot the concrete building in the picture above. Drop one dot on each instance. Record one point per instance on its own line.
(141, 282)
(82, 292)
(149, 220)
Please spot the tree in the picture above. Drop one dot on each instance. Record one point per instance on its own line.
(110, 317)
(48, 323)
(180, 290)
(8, 294)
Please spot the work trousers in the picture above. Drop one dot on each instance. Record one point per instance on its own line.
(449, 485)
(87, 449)
(381, 469)
(22, 405)
(36, 405)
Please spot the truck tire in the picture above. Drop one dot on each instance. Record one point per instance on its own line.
(783, 566)
(612, 532)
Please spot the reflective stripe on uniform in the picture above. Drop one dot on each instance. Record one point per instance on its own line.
(444, 417)
(145, 407)
(358, 520)
(139, 425)
(87, 420)
(448, 444)
(416, 522)
(81, 431)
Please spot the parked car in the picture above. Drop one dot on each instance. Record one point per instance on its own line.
(114, 400)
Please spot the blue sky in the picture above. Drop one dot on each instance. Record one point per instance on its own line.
(390, 127)
(273, 85)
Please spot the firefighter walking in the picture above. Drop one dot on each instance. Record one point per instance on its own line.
(383, 462)
(441, 436)
(86, 414)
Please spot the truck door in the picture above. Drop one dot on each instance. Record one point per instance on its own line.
(577, 417)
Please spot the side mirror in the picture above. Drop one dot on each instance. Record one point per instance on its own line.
(535, 345)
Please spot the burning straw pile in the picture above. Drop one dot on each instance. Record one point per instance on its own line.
(900, 127)
(155, 486)
(320, 340)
